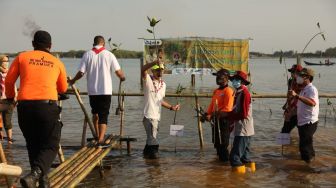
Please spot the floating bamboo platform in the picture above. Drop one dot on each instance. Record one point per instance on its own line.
(74, 169)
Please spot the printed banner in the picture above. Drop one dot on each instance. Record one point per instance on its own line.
(199, 55)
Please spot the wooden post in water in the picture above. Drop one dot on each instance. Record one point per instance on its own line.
(141, 64)
(3, 160)
(122, 113)
(193, 82)
(199, 123)
(84, 110)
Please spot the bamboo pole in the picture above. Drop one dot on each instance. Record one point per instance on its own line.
(209, 95)
(193, 80)
(88, 169)
(60, 154)
(84, 133)
(3, 160)
(62, 175)
(199, 124)
(59, 169)
(84, 110)
(10, 170)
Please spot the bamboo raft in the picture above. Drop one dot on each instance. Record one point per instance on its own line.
(74, 169)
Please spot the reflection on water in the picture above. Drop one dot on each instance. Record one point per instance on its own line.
(190, 166)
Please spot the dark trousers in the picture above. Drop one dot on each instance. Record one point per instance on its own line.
(221, 139)
(289, 125)
(240, 151)
(39, 123)
(306, 133)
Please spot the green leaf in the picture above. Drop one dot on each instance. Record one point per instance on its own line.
(149, 19)
(109, 39)
(114, 44)
(150, 31)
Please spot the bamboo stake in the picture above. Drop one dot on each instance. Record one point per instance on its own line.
(199, 124)
(60, 154)
(84, 110)
(122, 113)
(3, 160)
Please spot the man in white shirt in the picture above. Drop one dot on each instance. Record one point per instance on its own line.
(98, 63)
(307, 113)
(154, 91)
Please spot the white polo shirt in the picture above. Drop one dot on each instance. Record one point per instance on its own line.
(308, 114)
(154, 92)
(98, 69)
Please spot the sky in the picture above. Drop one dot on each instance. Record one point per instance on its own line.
(272, 25)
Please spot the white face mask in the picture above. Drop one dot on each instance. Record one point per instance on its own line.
(299, 80)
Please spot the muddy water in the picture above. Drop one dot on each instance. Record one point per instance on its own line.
(189, 166)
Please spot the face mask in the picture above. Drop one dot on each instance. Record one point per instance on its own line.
(299, 80)
(236, 83)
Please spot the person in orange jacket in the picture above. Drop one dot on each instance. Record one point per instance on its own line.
(42, 77)
(221, 104)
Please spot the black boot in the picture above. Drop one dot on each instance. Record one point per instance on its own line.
(30, 180)
(154, 152)
(146, 151)
(44, 182)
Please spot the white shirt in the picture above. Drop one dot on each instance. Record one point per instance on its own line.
(154, 92)
(99, 71)
(308, 114)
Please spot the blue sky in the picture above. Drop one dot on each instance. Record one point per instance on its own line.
(273, 24)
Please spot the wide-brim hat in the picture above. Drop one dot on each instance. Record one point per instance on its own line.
(295, 68)
(242, 76)
(307, 72)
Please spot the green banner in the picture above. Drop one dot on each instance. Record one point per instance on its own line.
(199, 55)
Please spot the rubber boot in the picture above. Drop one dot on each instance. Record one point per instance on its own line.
(146, 151)
(154, 151)
(239, 169)
(30, 180)
(44, 182)
(251, 166)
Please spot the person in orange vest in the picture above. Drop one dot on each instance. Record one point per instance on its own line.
(221, 104)
(42, 77)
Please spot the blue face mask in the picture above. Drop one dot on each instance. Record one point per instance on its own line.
(236, 83)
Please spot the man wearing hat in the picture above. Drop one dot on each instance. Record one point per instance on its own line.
(42, 77)
(307, 112)
(221, 104)
(241, 115)
(290, 109)
(154, 92)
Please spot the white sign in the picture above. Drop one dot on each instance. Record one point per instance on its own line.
(152, 42)
(176, 130)
(283, 138)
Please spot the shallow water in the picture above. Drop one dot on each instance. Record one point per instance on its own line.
(189, 166)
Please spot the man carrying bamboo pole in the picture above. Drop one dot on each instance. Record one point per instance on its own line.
(42, 77)
(221, 104)
(154, 91)
(290, 109)
(98, 64)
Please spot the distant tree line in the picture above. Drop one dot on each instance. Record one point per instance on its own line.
(330, 52)
(128, 54)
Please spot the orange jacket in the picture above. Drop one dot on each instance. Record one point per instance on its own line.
(224, 97)
(42, 76)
